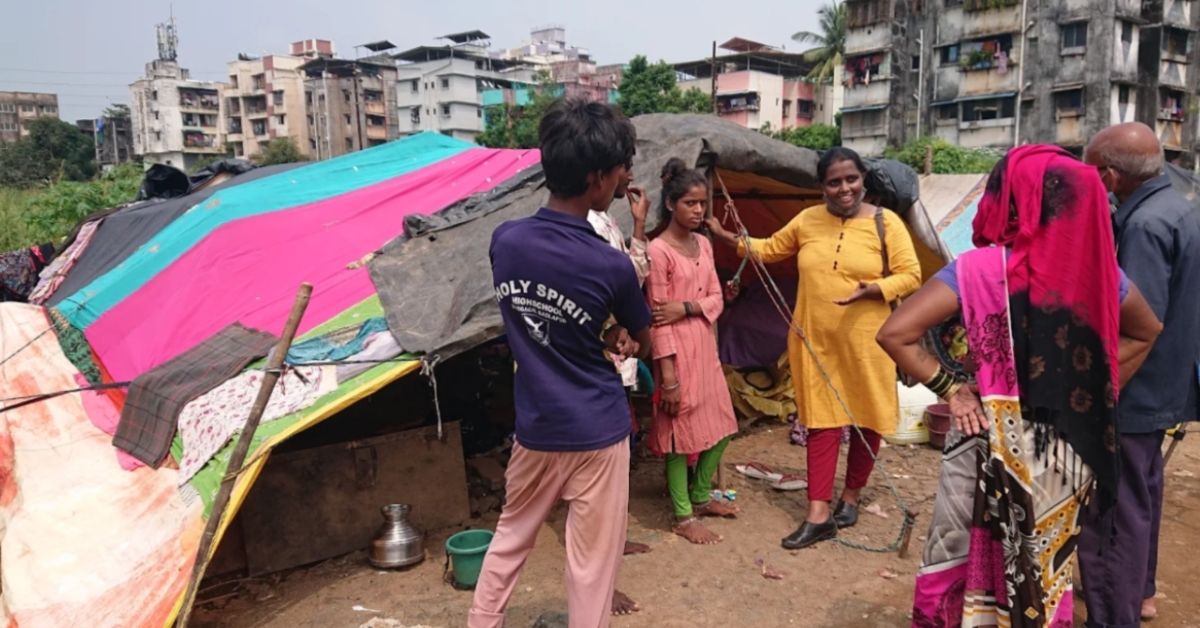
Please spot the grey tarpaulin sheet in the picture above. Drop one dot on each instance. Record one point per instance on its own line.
(436, 287)
(127, 228)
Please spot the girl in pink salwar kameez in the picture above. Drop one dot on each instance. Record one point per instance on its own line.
(694, 416)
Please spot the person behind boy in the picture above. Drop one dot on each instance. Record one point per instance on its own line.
(557, 283)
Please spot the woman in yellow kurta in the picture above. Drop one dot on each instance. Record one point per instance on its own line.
(842, 301)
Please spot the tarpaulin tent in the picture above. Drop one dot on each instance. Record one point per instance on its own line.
(163, 277)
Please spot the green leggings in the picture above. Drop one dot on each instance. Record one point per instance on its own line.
(677, 478)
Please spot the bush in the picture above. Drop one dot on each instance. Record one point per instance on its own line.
(947, 158)
(816, 136)
(48, 214)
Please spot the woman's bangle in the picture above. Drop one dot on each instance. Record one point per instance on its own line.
(674, 386)
(687, 309)
(942, 383)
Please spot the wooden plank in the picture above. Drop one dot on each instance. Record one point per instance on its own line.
(314, 504)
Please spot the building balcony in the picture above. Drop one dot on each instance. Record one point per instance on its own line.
(377, 132)
(878, 92)
(984, 6)
(1170, 133)
(1001, 21)
(992, 80)
(1171, 74)
(257, 113)
(1069, 130)
(377, 108)
(868, 39)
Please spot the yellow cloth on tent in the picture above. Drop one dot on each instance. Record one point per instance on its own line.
(833, 256)
(762, 392)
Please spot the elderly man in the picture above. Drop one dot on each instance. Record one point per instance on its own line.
(1158, 245)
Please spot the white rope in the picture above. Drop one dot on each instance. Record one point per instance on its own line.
(427, 365)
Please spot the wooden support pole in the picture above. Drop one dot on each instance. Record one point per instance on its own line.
(234, 469)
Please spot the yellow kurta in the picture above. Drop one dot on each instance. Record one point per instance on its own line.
(832, 256)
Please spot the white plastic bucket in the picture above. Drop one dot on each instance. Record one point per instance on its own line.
(910, 429)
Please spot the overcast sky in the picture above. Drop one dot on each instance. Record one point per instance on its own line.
(88, 52)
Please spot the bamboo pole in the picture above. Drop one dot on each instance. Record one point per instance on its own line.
(274, 362)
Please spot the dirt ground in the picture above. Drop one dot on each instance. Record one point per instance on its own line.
(679, 584)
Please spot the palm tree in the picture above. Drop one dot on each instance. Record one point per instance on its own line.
(830, 41)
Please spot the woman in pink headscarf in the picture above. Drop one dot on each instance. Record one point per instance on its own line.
(1053, 329)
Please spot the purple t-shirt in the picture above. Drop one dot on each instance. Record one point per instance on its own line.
(949, 276)
(557, 283)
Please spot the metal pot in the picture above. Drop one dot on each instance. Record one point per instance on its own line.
(398, 543)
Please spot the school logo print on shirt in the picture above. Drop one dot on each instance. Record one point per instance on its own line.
(537, 329)
(540, 307)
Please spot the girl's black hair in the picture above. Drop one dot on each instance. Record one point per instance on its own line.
(677, 179)
(835, 155)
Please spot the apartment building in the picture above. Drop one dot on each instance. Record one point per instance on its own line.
(176, 120)
(442, 88)
(995, 73)
(17, 108)
(350, 104)
(113, 137)
(882, 73)
(265, 99)
(760, 86)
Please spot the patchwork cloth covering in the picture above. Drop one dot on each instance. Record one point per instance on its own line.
(155, 399)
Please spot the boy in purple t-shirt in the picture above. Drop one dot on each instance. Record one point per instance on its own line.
(558, 283)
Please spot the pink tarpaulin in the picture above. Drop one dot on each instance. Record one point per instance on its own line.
(82, 542)
(248, 271)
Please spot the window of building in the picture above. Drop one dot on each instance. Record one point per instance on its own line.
(804, 108)
(448, 133)
(862, 70)
(347, 116)
(158, 136)
(27, 108)
(308, 98)
(948, 55)
(281, 120)
(947, 112)
(787, 109)
(415, 116)
(1176, 43)
(5, 107)
(346, 94)
(155, 115)
(916, 63)
(1069, 103)
(233, 81)
(479, 112)
(989, 109)
(311, 121)
(416, 87)
(312, 144)
(1074, 37)
(50, 110)
(1126, 32)
(445, 110)
(985, 54)
(445, 83)
(349, 144)
(279, 99)
(1171, 104)
(154, 95)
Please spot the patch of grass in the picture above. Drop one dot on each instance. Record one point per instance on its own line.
(36, 215)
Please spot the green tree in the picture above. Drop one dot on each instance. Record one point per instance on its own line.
(509, 126)
(947, 158)
(54, 150)
(43, 215)
(117, 111)
(281, 150)
(830, 41)
(815, 136)
(650, 88)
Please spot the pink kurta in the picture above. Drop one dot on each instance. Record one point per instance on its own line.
(706, 412)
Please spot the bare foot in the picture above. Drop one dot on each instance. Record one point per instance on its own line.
(715, 508)
(1149, 609)
(695, 532)
(623, 605)
(635, 548)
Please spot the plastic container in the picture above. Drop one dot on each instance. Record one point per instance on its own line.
(465, 551)
(911, 428)
(937, 421)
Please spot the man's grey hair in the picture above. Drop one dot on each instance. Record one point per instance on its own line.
(1128, 163)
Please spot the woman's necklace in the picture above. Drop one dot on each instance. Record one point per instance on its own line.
(689, 248)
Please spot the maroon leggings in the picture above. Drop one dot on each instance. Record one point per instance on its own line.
(823, 447)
